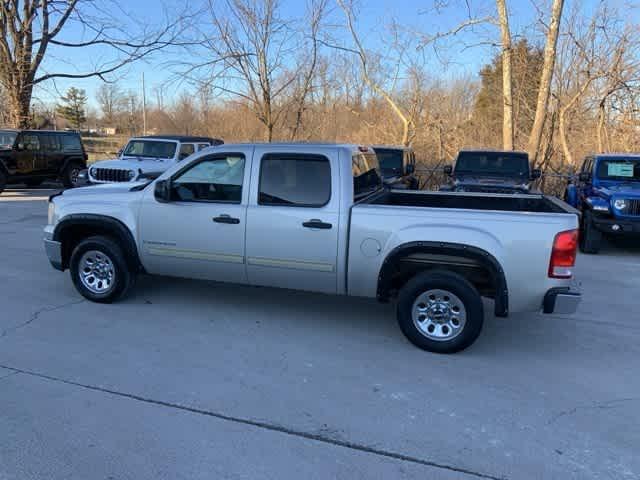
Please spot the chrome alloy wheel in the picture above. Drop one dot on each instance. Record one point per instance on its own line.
(439, 315)
(97, 272)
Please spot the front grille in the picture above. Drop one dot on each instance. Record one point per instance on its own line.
(634, 207)
(110, 174)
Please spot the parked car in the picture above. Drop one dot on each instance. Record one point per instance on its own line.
(490, 171)
(607, 192)
(318, 218)
(147, 157)
(33, 156)
(398, 166)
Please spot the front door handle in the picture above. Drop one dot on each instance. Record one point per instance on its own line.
(315, 223)
(226, 219)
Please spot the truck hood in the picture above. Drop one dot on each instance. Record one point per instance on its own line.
(102, 189)
(490, 181)
(627, 190)
(145, 166)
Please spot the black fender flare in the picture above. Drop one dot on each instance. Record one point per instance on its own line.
(101, 224)
(474, 253)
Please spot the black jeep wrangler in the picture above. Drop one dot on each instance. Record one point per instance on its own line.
(33, 156)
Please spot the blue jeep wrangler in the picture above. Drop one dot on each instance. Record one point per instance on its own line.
(607, 192)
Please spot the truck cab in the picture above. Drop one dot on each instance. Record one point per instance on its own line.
(147, 157)
(607, 192)
(490, 171)
(398, 165)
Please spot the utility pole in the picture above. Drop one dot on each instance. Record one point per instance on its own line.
(144, 107)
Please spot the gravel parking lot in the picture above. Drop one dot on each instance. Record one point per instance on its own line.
(189, 379)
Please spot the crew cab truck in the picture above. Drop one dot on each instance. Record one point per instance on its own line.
(607, 192)
(147, 157)
(490, 171)
(318, 218)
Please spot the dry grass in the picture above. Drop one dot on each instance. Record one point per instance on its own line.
(103, 148)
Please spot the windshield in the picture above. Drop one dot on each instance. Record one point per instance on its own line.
(390, 161)
(366, 174)
(625, 169)
(494, 163)
(7, 139)
(150, 149)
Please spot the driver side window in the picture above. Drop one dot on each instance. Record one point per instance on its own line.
(214, 179)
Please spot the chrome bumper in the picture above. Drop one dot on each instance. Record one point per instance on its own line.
(562, 301)
(54, 252)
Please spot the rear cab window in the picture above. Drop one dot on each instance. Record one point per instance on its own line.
(294, 180)
(367, 177)
(70, 143)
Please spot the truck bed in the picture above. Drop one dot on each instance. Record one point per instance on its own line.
(472, 201)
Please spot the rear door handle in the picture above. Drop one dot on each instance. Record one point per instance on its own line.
(226, 219)
(315, 223)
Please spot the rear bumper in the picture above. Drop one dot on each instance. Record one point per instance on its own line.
(617, 226)
(563, 301)
(53, 250)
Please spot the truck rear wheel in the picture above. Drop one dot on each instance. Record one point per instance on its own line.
(440, 312)
(99, 270)
(590, 237)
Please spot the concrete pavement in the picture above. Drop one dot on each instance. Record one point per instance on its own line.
(188, 379)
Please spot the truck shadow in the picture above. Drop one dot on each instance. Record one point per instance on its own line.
(349, 320)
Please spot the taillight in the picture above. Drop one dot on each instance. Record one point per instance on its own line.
(563, 254)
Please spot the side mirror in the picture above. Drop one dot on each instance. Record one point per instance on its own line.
(162, 191)
(536, 173)
(411, 168)
(584, 177)
(448, 170)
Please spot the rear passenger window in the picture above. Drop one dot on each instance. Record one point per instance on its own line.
(49, 143)
(294, 180)
(70, 143)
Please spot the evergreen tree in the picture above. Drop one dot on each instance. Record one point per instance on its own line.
(73, 107)
(526, 67)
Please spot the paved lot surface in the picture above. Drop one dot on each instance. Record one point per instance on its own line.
(190, 379)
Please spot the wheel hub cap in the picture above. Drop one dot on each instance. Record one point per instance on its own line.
(439, 314)
(97, 273)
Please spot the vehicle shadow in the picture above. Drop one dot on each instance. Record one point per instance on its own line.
(18, 193)
(357, 319)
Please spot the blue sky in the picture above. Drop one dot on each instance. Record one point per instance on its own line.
(372, 17)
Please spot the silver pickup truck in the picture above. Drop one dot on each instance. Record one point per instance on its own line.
(318, 218)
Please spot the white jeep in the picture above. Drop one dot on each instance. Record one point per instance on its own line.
(147, 157)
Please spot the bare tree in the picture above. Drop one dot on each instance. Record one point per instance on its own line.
(403, 115)
(248, 56)
(545, 79)
(28, 28)
(507, 96)
(112, 101)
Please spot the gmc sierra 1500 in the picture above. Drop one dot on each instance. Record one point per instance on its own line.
(318, 218)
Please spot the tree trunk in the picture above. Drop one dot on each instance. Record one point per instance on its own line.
(507, 96)
(19, 103)
(600, 128)
(545, 80)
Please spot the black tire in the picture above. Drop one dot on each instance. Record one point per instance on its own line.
(123, 277)
(3, 181)
(449, 282)
(33, 182)
(70, 175)
(590, 236)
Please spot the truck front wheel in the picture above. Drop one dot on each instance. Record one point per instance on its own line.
(99, 270)
(440, 312)
(590, 237)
